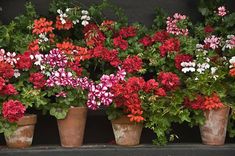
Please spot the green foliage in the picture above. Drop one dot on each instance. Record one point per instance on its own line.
(97, 12)
(159, 21)
(160, 113)
(113, 112)
(17, 35)
(59, 113)
(6, 127)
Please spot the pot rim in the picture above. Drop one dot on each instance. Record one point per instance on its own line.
(28, 119)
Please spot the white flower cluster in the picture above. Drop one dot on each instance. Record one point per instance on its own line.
(85, 17)
(232, 62)
(188, 67)
(39, 59)
(63, 15)
(42, 38)
(201, 68)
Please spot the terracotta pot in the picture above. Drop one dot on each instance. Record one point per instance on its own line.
(213, 132)
(23, 135)
(71, 129)
(126, 133)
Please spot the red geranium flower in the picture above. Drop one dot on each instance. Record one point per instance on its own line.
(182, 58)
(38, 80)
(126, 32)
(76, 67)
(208, 29)
(2, 83)
(169, 80)
(42, 26)
(8, 89)
(146, 41)
(93, 36)
(132, 64)
(160, 36)
(33, 46)
(66, 47)
(13, 110)
(6, 70)
(150, 85)
(24, 61)
(118, 42)
(170, 45)
(68, 25)
(160, 92)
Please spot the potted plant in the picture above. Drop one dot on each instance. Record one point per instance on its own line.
(163, 48)
(18, 94)
(209, 83)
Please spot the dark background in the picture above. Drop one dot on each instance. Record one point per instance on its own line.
(98, 128)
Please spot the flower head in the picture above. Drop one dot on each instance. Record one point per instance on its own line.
(13, 110)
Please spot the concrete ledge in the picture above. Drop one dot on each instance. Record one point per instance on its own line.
(112, 150)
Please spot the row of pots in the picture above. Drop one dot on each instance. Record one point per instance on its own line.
(71, 129)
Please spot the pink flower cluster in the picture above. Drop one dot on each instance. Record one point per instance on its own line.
(221, 11)
(100, 94)
(8, 57)
(61, 78)
(172, 26)
(55, 58)
(212, 42)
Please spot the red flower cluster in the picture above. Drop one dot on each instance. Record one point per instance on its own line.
(119, 42)
(66, 47)
(13, 110)
(150, 85)
(33, 46)
(93, 36)
(169, 80)
(132, 64)
(42, 26)
(68, 25)
(204, 103)
(232, 72)
(107, 25)
(82, 54)
(195, 104)
(2, 83)
(8, 89)
(24, 61)
(160, 36)
(182, 58)
(6, 70)
(146, 41)
(126, 32)
(108, 55)
(170, 45)
(38, 80)
(76, 67)
(208, 29)
(126, 96)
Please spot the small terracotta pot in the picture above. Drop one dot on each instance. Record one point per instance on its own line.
(213, 132)
(126, 133)
(71, 129)
(22, 137)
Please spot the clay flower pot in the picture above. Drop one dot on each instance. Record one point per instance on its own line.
(71, 129)
(126, 133)
(213, 132)
(22, 137)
